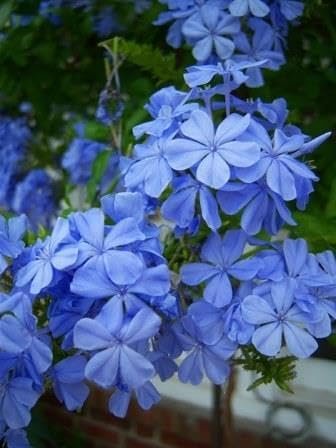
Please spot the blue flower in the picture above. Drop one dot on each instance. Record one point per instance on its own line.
(206, 29)
(231, 72)
(241, 8)
(262, 208)
(97, 284)
(51, 256)
(35, 197)
(180, 207)
(15, 438)
(278, 316)
(100, 247)
(112, 337)
(146, 396)
(150, 170)
(17, 397)
(291, 9)
(14, 138)
(202, 357)
(221, 257)
(277, 163)
(68, 382)
(260, 49)
(213, 151)
(79, 157)
(168, 107)
(11, 244)
(106, 22)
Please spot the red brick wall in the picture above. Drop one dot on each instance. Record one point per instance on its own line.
(168, 425)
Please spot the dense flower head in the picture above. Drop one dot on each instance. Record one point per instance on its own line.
(249, 30)
(246, 162)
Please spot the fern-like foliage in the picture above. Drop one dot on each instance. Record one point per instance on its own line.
(148, 58)
(281, 371)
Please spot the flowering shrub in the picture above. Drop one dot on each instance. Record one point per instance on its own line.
(180, 268)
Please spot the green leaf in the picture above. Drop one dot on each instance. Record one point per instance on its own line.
(98, 169)
(281, 371)
(5, 11)
(148, 58)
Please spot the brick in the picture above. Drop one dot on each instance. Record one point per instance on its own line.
(167, 419)
(204, 430)
(95, 430)
(57, 415)
(146, 431)
(150, 417)
(173, 440)
(131, 442)
(103, 416)
(186, 424)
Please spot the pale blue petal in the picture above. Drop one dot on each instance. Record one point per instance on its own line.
(267, 339)
(299, 342)
(256, 310)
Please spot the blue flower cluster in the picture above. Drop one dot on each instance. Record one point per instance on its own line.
(282, 297)
(31, 193)
(103, 290)
(243, 30)
(104, 19)
(250, 162)
(99, 288)
(14, 139)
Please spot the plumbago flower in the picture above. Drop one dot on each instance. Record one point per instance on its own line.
(248, 162)
(100, 284)
(212, 28)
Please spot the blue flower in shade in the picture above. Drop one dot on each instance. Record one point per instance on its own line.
(146, 396)
(277, 316)
(101, 247)
(68, 382)
(211, 359)
(35, 197)
(17, 397)
(262, 208)
(213, 151)
(168, 107)
(240, 8)
(49, 257)
(260, 49)
(291, 9)
(106, 22)
(112, 336)
(64, 312)
(221, 263)
(11, 244)
(14, 438)
(79, 157)
(206, 31)
(180, 207)
(110, 107)
(14, 138)
(150, 170)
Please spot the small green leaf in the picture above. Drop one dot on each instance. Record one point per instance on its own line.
(98, 169)
(5, 12)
